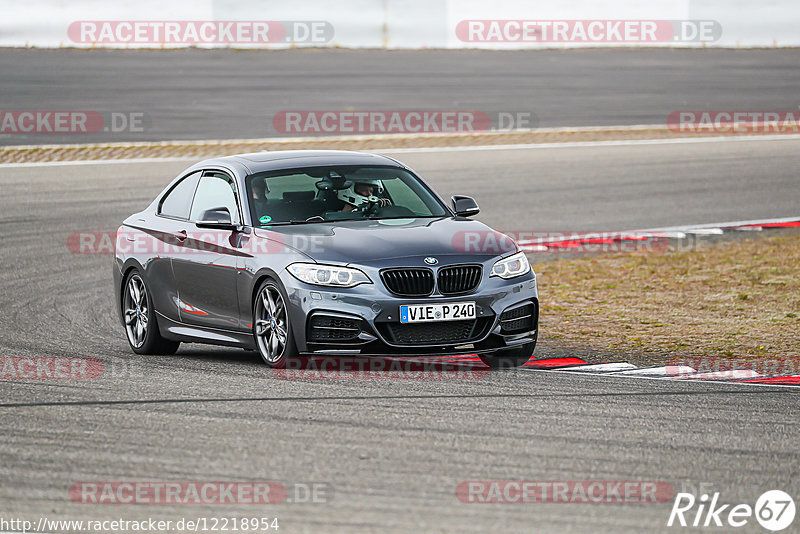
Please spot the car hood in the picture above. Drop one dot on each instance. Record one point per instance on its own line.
(376, 242)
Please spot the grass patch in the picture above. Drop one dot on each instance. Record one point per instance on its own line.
(736, 298)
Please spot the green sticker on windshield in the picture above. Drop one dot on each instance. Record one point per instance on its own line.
(265, 219)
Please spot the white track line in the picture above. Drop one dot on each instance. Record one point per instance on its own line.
(580, 144)
(670, 235)
(729, 224)
(661, 372)
(677, 372)
(94, 162)
(674, 232)
(734, 374)
(625, 374)
(400, 150)
(705, 231)
(671, 372)
(353, 137)
(601, 367)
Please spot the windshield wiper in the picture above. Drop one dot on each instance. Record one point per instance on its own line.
(288, 223)
(377, 218)
(368, 218)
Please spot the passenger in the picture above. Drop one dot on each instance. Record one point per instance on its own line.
(259, 195)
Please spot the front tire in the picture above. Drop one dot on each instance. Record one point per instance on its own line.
(509, 358)
(271, 326)
(139, 315)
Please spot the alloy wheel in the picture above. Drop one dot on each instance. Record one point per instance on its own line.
(271, 323)
(136, 311)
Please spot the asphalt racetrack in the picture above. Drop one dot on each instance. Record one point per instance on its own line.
(393, 451)
(223, 94)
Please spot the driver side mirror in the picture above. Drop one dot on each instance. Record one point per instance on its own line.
(464, 206)
(219, 218)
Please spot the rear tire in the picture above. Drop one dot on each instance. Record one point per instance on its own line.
(139, 317)
(272, 328)
(509, 358)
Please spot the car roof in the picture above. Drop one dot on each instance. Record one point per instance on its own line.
(289, 159)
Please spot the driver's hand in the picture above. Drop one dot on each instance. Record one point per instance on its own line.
(384, 202)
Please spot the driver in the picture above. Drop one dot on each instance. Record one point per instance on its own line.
(361, 195)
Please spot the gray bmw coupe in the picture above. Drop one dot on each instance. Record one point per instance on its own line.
(302, 253)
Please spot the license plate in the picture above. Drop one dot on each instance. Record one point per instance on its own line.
(421, 313)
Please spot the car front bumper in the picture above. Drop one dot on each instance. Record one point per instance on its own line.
(364, 320)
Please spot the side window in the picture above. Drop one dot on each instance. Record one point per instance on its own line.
(178, 201)
(215, 191)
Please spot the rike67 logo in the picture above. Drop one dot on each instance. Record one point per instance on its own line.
(774, 510)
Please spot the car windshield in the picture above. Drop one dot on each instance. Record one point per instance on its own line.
(338, 193)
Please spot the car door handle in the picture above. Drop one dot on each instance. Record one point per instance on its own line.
(181, 236)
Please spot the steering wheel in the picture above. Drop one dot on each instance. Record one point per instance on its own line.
(374, 204)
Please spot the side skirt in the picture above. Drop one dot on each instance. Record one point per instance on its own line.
(193, 334)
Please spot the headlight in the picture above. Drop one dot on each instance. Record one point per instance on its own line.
(515, 265)
(328, 275)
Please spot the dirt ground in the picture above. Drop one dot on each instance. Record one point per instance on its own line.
(738, 298)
